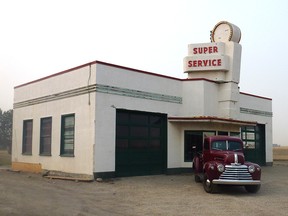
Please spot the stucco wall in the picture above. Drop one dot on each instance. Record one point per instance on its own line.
(81, 105)
(200, 98)
(108, 102)
(50, 85)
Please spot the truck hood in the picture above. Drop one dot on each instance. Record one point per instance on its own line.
(229, 157)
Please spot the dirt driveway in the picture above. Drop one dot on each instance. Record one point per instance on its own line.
(31, 194)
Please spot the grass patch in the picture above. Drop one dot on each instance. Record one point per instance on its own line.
(5, 158)
(280, 153)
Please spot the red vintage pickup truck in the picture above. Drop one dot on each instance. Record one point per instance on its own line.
(221, 162)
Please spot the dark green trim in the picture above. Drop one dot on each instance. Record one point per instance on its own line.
(101, 89)
(255, 112)
(137, 94)
(169, 171)
(175, 171)
(104, 175)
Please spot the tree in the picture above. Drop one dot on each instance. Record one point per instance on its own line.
(6, 119)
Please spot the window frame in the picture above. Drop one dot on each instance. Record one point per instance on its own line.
(64, 152)
(27, 137)
(44, 136)
(248, 136)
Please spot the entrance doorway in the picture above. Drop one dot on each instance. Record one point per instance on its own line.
(192, 143)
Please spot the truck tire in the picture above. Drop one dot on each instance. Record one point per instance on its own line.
(208, 186)
(252, 188)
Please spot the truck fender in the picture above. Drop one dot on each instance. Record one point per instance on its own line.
(206, 168)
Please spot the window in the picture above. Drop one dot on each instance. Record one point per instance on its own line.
(45, 136)
(223, 133)
(208, 134)
(248, 136)
(27, 137)
(192, 144)
(193, 141)
(235, 134)
(67, 135)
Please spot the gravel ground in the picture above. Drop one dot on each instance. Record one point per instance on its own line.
(31, 194)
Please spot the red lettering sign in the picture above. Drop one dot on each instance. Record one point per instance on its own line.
(205, 63)
(205, 50)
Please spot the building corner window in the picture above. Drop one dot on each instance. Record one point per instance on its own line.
(27, 137)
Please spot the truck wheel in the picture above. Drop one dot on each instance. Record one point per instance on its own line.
(252, 188)
(208, 186)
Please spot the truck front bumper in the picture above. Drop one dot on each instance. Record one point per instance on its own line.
(236, 182)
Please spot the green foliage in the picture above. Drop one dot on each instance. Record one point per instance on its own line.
(6, 119)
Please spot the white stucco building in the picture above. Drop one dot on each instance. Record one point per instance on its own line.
(106, 120)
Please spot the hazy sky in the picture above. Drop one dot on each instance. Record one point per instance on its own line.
(40, 38)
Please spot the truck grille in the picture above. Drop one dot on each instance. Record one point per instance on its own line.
(236, 172)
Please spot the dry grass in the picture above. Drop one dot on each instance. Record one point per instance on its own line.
(5, 158)
(280, 153)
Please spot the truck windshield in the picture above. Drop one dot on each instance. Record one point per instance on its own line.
(224, 145)
(234, 146)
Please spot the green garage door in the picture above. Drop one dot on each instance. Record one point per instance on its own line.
(141, 143)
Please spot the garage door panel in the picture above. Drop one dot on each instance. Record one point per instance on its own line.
(141, 143)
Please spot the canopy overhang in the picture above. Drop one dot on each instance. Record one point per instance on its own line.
(211, 119)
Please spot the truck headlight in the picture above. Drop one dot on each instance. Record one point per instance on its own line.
(251, 168)
(220, 168)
